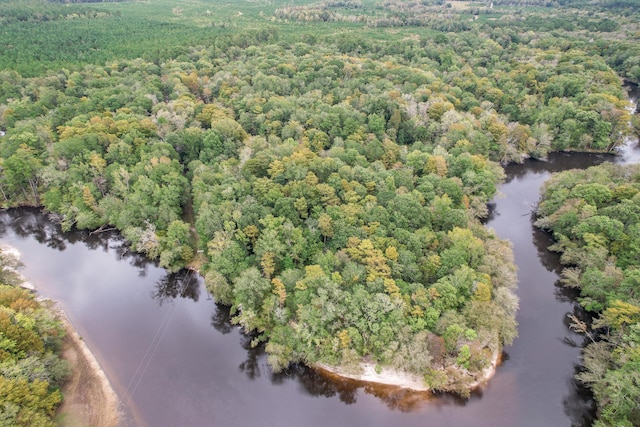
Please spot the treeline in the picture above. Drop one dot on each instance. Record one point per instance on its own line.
(387, 14)
(620, 51)
(590, 5)
(43, 11)
(595, 218)
(32, 48)
(603, 4)
(546, 23)
(84, 1)
(31, 371)
(130, 32)
(527, 3)
(437, 17)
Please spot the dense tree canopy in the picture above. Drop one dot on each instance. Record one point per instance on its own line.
(328, 184)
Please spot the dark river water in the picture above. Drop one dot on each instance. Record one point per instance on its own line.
(175, 360)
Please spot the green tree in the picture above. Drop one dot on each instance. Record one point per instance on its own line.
(21, 173)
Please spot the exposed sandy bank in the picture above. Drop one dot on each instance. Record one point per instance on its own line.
(387, 376)
(392, 377)
(89, 399)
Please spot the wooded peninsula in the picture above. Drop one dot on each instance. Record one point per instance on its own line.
(327, 165)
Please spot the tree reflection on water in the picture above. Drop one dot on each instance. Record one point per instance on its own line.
(321, 383)
(252, 362)
(46, 230)
(183, 284)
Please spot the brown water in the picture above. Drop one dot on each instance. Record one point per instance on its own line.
(175, 360)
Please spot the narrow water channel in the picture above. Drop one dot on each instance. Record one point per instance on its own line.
(175, 360)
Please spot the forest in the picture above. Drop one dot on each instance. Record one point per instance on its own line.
(325, 166)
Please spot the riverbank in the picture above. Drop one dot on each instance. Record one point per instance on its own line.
(391, 377)
(88, 398)
(368, 374)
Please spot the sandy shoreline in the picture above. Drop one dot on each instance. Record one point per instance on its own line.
(89, 399)
(386, 376)
(391, 377)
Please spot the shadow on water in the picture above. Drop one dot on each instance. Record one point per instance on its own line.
(579, 404)
(45, 230)
(251, 366)
(221, 319)
(319, 383)
(551, 261)
(187, 285)
(322, 383)
(26, 222)
(556, 162)
(183, 284)
(542, 240)
(633, 92)
(312, 382)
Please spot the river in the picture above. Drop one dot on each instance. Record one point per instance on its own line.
(175, 360)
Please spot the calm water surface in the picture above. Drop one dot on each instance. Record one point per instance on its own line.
(175, 360)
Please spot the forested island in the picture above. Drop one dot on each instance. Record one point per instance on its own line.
(325, 166)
